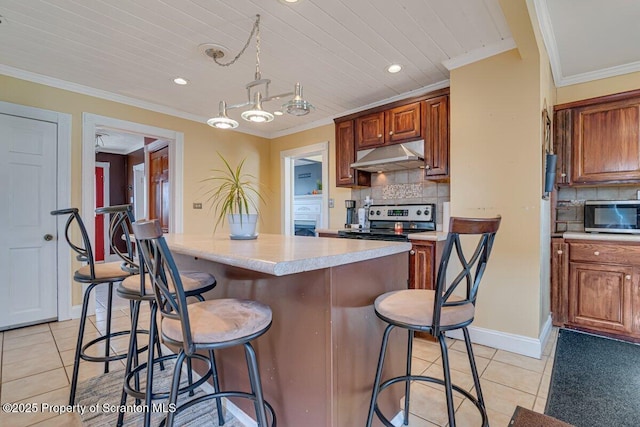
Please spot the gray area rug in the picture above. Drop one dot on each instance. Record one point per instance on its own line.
(100, 396)
(595, 381)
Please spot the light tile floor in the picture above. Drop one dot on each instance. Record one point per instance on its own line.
(37, 364)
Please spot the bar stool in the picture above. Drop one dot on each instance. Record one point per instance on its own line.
(92, 274)
(138, 289)
(438, 311)
(202, 326)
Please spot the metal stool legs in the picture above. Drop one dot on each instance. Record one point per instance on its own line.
(379, 386)
(81, 348)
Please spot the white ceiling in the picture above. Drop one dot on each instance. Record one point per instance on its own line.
(130, 50)
(117, 142)
(590, 39)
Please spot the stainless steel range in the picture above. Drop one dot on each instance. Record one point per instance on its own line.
(395, 222)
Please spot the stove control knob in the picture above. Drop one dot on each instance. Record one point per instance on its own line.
(377, 212)
(419, 212)
(371, 212)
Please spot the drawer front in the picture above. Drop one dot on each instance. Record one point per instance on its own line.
(627, 254)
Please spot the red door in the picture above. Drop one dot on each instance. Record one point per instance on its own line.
(99, 237)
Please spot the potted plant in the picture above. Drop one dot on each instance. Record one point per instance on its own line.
(234, 195)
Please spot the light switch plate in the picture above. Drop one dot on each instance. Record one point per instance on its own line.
(197, 206)
(332, 202)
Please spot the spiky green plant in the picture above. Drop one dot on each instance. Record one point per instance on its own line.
(233, 191)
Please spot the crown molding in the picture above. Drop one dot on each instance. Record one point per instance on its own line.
(618, 70)
(549, 38)
(479, 54)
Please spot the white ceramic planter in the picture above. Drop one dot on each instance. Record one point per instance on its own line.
(243, 226)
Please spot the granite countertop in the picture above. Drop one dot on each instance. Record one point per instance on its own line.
(280, 255)
(611, 237)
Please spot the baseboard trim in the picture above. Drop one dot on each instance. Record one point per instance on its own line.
(519, 344)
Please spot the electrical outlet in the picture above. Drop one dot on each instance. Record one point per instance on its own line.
(331, 203)
(197, 206)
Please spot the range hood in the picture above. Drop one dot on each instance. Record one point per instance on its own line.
(409, 155)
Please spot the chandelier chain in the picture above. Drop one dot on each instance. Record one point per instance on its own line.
(254, 30)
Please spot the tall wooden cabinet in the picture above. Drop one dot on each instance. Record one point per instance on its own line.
(436, 148)
(346, 176)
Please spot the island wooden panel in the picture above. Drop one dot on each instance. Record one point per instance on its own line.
(318, 359)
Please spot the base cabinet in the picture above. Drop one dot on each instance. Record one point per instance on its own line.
(424, 260)
(602, 282)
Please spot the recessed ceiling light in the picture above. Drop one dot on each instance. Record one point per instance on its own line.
(278, 113)
(180, 81)
(394, 68)
(289, 1)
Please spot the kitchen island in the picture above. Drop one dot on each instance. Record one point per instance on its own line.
(318, 359)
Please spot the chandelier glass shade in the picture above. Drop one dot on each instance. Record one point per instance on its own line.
(257, 94)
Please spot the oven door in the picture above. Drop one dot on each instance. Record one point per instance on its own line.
(303, 227)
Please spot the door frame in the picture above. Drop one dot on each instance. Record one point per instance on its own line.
(287, 166)
(90, 122)
(106, 197)
(63, 193)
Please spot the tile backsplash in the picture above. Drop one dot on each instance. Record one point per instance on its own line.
(404, 187)
(570, 204)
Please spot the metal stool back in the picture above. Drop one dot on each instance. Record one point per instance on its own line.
(172, 302)
(450, 306)
(92, 274)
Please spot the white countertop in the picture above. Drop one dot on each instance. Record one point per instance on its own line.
(612, 237)
(280, 255)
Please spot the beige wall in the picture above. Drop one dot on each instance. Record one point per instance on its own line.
(313, 136)
(200, 144)
(496, 168)
(598, 88)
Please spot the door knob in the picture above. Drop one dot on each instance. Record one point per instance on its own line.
(628, 277)
(559, 252)
(48, 237)
(596, 253)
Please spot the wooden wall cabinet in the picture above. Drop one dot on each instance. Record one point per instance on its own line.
(559, 281)
(422, 117)
(436, 145)
(346, 176)
(603, 287)
(393, 126)
(598, 140)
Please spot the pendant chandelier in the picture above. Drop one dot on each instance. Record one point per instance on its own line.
(257, 92)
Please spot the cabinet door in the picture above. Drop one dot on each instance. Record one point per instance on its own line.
(436, 136)
(370, 131)
(403, 123)
(345, 156)
(606, 143)
(422, 268)
(559, 281)
(562, 146)
(600, 296)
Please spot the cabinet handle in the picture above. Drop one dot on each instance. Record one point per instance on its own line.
(390, 132)
(350, 176)
(628, 277)
(559, 252)
(379, 135)
(563, 175)
(596, 253)
(427, 167)
(412, 252)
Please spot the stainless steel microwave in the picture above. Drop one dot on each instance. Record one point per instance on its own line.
(612, 216)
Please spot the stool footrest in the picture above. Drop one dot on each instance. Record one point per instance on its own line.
(139, 394)
(109, 358)
(223, 394)
(405, 378)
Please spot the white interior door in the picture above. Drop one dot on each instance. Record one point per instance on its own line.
(28, 273)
